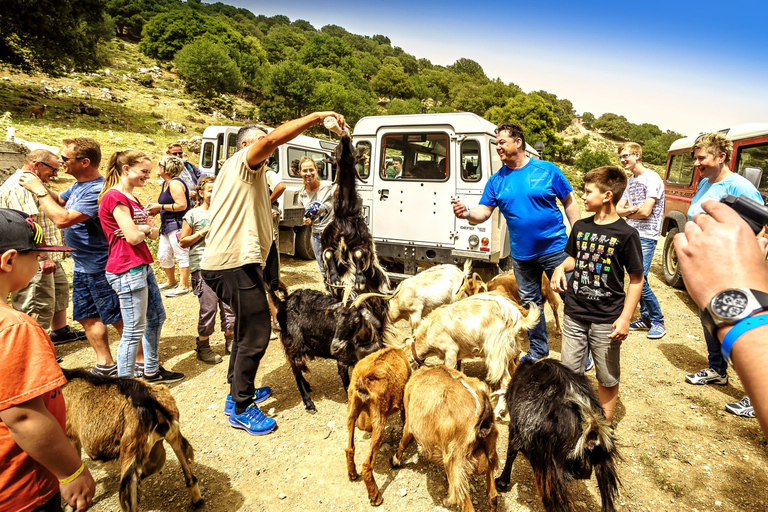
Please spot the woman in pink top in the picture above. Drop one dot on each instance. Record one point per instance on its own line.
(126, 226)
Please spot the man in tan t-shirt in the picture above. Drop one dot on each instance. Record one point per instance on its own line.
(236, 249)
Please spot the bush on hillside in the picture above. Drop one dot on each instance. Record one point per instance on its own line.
(591, 159)
(207, 68)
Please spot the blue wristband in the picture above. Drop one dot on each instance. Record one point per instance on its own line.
(738, 329)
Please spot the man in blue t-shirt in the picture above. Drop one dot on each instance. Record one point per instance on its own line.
(94, 302)
(526, 192)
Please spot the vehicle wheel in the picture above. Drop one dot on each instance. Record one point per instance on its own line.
(303, 242)
(672, 274)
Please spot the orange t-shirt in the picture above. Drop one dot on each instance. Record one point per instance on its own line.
(28, 369)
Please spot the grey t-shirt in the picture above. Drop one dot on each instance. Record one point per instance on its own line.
(197, 218)
(648, 184)
(324, 195)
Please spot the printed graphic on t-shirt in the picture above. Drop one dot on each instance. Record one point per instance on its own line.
(139, 215)
(593, 265)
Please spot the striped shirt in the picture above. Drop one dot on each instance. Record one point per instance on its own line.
(16, 197)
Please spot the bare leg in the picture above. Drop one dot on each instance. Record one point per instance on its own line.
(59, 320)
(608, 397)
(171, 274)
(272, 310)
(98, 337)
(183, 277)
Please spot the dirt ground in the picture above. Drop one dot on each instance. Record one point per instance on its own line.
(681, 449)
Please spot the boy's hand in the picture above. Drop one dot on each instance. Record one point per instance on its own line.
(620, 329)
(79, 492)
(559, 282)
(47, 266)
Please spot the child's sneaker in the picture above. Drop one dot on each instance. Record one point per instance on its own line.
(641, 324)
(707, 376)
(590, 362)
(529, 357)
(253, 421)
(657, 331)
(259, 396)
(741, 408)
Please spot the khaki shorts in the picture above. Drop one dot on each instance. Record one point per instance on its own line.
(45, 295)
(580, 338)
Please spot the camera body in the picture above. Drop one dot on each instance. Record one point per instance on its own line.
(754, 213)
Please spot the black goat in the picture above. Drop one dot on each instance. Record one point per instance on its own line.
(313, 324)
(349, 254)
(556, 420)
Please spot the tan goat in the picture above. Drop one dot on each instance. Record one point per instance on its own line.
(507, 284)
(37, 112)
(376, 392)
(450, 416)
(127, 419)
(487, 325)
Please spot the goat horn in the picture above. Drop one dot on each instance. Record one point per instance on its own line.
(365, 296)
(347, 292)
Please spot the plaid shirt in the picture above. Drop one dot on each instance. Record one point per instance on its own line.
(16, 197)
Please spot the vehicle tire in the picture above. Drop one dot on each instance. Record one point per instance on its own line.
(672, 274)
(303, 242)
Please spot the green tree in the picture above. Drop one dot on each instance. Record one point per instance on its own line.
(563, 109)
(588, 119)
(535, 115)
(592, 159)
(656, 149)
(53, 36)
(325, 51)
(468, 67)
(291, 85)
(409, 63)
(642, 133)
(392, 82)
(281, 37)
(613, 124)
(303, 25)
(207, 68)
(398, 106)
(369, 65)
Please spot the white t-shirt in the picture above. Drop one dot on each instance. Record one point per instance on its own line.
(648, 184)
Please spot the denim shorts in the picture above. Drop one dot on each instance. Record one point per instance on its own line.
(93, 297)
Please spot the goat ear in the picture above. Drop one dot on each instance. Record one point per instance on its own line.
(372, 319)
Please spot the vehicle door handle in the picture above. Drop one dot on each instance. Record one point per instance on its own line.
(383, 194)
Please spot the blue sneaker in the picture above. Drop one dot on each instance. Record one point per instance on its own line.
(259, 396)
(253, 421)
(657, 331)
(641, 324)
(529, 357)
(590, 362)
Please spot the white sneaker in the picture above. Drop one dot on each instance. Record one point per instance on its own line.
(177, 292)
(707, 376)
(741, 408)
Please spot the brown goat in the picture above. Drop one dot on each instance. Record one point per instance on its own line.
(378, 385)
(451, 417)
(507, 284)
(127, 419)
(37, 112)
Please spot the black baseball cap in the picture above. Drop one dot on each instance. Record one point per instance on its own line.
(20, 231)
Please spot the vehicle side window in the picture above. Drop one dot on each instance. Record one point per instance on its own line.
(207, 160)
(363, 158)
(415, 157)
(754, 156)
(470, 160)
(680, 170)
(324, 169)
(231, 144)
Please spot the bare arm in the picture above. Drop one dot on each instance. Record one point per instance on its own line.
(130, 231)
(38, 433)
(558, 282)
(189, 237)
(644, 210)
(571, 209)
(263, 148)
(621, 325)
(476, 215)
(623, 208)
(279, 189)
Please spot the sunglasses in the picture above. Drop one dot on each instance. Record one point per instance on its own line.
(54, 169)
(177, 154)
(67, 159)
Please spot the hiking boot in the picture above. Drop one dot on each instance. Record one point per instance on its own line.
(253, 421)
(66, 335)
(205, 354)
(228, 340)
(104, 371)
(529, 357)
(641, 324)
(176, 292)
(259, 396)
(167, 286)
(707, 376)
(657, 331)
(162, 376)
(741, 408)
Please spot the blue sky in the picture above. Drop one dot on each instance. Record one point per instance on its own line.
(686, 66)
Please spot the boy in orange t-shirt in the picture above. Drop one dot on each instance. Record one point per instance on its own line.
(34, 451)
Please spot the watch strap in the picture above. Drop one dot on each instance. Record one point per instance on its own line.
(740, 328)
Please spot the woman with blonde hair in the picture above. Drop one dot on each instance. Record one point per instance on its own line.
(316, 196)
(127, 226)
(172, 204)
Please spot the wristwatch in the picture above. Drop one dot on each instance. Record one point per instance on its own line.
(731, 305)
(41, 194)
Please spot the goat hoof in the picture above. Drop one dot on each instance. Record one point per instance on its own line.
(501, 485)
(199, 503)
(395, 461)
(311, 409)
(377, 499)
(352, 476)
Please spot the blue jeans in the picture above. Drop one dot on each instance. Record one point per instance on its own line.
(715, 357)
(143, 315)
(528, 276)
(317, 246)
(649, 304)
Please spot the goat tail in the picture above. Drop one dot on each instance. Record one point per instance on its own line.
(485, 419)
(362, 391)
(501, 344)
(607, 477)
(530, 320)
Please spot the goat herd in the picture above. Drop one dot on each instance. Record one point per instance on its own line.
(554, 416)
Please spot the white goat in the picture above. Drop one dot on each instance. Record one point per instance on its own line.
(487, 325)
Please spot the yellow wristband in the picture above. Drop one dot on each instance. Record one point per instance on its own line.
(74, 475)
(560, 267)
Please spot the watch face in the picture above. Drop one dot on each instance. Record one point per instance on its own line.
(729, 304)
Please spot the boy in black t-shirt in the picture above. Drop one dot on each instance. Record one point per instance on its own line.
(597, 312)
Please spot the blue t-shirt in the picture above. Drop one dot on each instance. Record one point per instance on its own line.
(733, 185)
(527, 197)
(87, 236)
